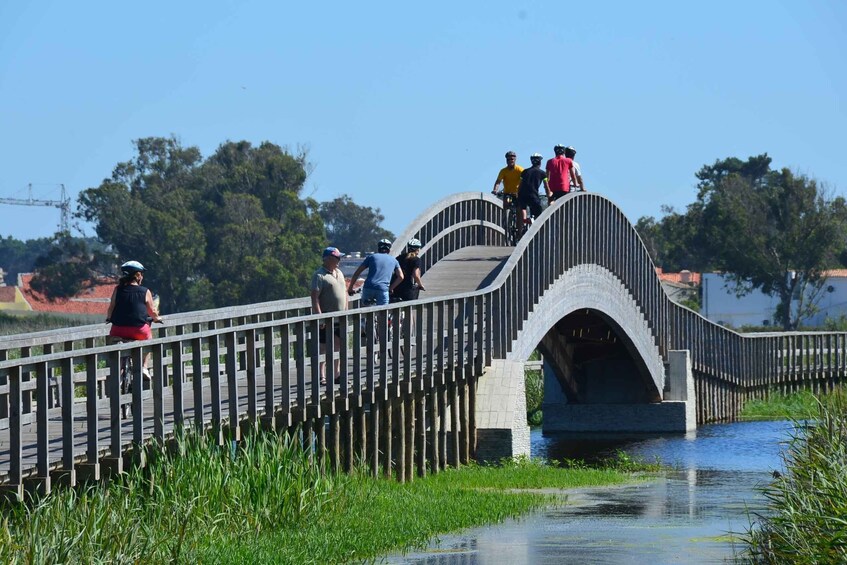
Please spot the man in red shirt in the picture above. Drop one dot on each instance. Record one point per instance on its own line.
(560, 172)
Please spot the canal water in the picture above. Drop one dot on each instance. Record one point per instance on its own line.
(686, 517)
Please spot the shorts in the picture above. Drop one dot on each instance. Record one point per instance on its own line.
(131, 332)
(557, 195)
(405, 294)
(322, 334)
(371, 296)
(532, 201)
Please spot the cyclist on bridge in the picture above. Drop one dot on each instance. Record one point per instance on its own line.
(132, 309)
(570, 153)
(531, 179)
(560, 173)
(410, 262)
(510, 176)
(381, 266)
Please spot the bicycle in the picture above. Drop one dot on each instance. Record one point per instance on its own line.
(127, 372)
(511, 215)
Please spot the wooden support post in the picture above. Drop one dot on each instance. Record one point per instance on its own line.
(472, 416)
(420, 437)
(454, 421)
(409, 451)
(347, 443)
(434, 423)
(464, 437)
(361, 424)
(374, 439)
(386, 435)
(320, 439)
(334, 443)
(401, 440)
(13, 488)
(442, 427)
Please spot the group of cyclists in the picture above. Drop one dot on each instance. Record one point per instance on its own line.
(560, 176)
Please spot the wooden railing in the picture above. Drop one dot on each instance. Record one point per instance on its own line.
(218, 369)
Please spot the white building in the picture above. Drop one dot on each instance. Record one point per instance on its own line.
(721, 305)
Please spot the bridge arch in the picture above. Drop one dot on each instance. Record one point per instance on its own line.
(588, 287)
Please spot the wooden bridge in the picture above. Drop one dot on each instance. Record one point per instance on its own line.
(579, 286)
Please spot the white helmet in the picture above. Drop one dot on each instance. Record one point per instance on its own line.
(132, 267)
(414, 243)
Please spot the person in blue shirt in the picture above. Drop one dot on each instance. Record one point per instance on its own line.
(381, 267)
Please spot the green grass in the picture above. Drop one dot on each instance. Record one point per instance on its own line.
(268, 501)
(802, 405)
(10, 325)
(806, 521)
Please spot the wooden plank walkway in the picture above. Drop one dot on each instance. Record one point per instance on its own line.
(465, 270)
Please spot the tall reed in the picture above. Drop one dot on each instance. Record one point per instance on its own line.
(806, 521)
(180, 502)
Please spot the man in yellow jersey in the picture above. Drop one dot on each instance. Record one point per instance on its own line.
(510, 175)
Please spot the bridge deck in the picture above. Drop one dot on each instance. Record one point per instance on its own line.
(462, 271)
(467, 269)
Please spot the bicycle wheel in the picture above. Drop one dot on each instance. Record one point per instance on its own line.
(126, 383)
(513, 226)
(510, 226)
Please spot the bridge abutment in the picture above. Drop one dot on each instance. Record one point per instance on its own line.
(501, 427)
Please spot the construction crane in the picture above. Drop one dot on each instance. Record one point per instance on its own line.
(63, 204)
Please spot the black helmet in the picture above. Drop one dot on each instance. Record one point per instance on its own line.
(559, 149)
(383, 245)
(570, 152)
(535, 158)
(511, 154)
(131, 267)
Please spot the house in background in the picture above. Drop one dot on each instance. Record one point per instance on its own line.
(680, 287)
(721, 305)
(12, 301)
(89, 305)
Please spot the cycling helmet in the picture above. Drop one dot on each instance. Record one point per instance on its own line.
(414, 243)
(570, 152)
(559, 149)
(511, 154)
(383, 245)
(535, 158)
(132, 267)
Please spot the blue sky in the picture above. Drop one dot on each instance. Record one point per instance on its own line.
(401, 104)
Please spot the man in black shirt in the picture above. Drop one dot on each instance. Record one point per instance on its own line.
(531, 179)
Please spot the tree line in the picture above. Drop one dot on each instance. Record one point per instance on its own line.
(231, 228)
(767, 229)
(236, 228)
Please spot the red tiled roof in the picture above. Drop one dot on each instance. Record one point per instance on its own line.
(92, 300)
(835, 273)
(684, 277)
(7, 294)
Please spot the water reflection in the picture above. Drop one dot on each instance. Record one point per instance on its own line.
(683, 518)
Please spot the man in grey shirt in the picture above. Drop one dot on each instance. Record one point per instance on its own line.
(329, 294)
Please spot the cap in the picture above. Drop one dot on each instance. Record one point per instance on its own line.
(333, 251)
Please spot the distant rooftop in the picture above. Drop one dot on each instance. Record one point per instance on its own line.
(683, 277)
(91, 301)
